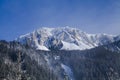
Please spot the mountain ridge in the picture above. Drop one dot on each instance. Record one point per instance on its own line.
(64, 38)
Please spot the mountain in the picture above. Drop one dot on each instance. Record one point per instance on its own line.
(21, 61)
(60, 54)
(114, 47)
(64, 38)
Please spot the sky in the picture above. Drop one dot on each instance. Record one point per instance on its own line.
(18, 17)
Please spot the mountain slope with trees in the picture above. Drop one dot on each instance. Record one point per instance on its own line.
(21, 62)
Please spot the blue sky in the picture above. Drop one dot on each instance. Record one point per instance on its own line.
(18, 17)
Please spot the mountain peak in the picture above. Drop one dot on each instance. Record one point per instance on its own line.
(63, 38)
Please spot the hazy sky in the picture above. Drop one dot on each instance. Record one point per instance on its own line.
(18, 17)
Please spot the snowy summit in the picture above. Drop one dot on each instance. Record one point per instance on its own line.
(64, 38)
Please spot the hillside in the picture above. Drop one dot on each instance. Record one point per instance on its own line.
(95, 64)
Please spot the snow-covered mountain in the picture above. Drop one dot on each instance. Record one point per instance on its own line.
(64, 38)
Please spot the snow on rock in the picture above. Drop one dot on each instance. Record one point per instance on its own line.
(71, 39)
(42, 48)
(69, 46)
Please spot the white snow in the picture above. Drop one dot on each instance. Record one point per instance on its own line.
(22, 36)
(56, 57)
(69, 46)
(68, 71)
(47, 60)
(71, 38)
(39, 47)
